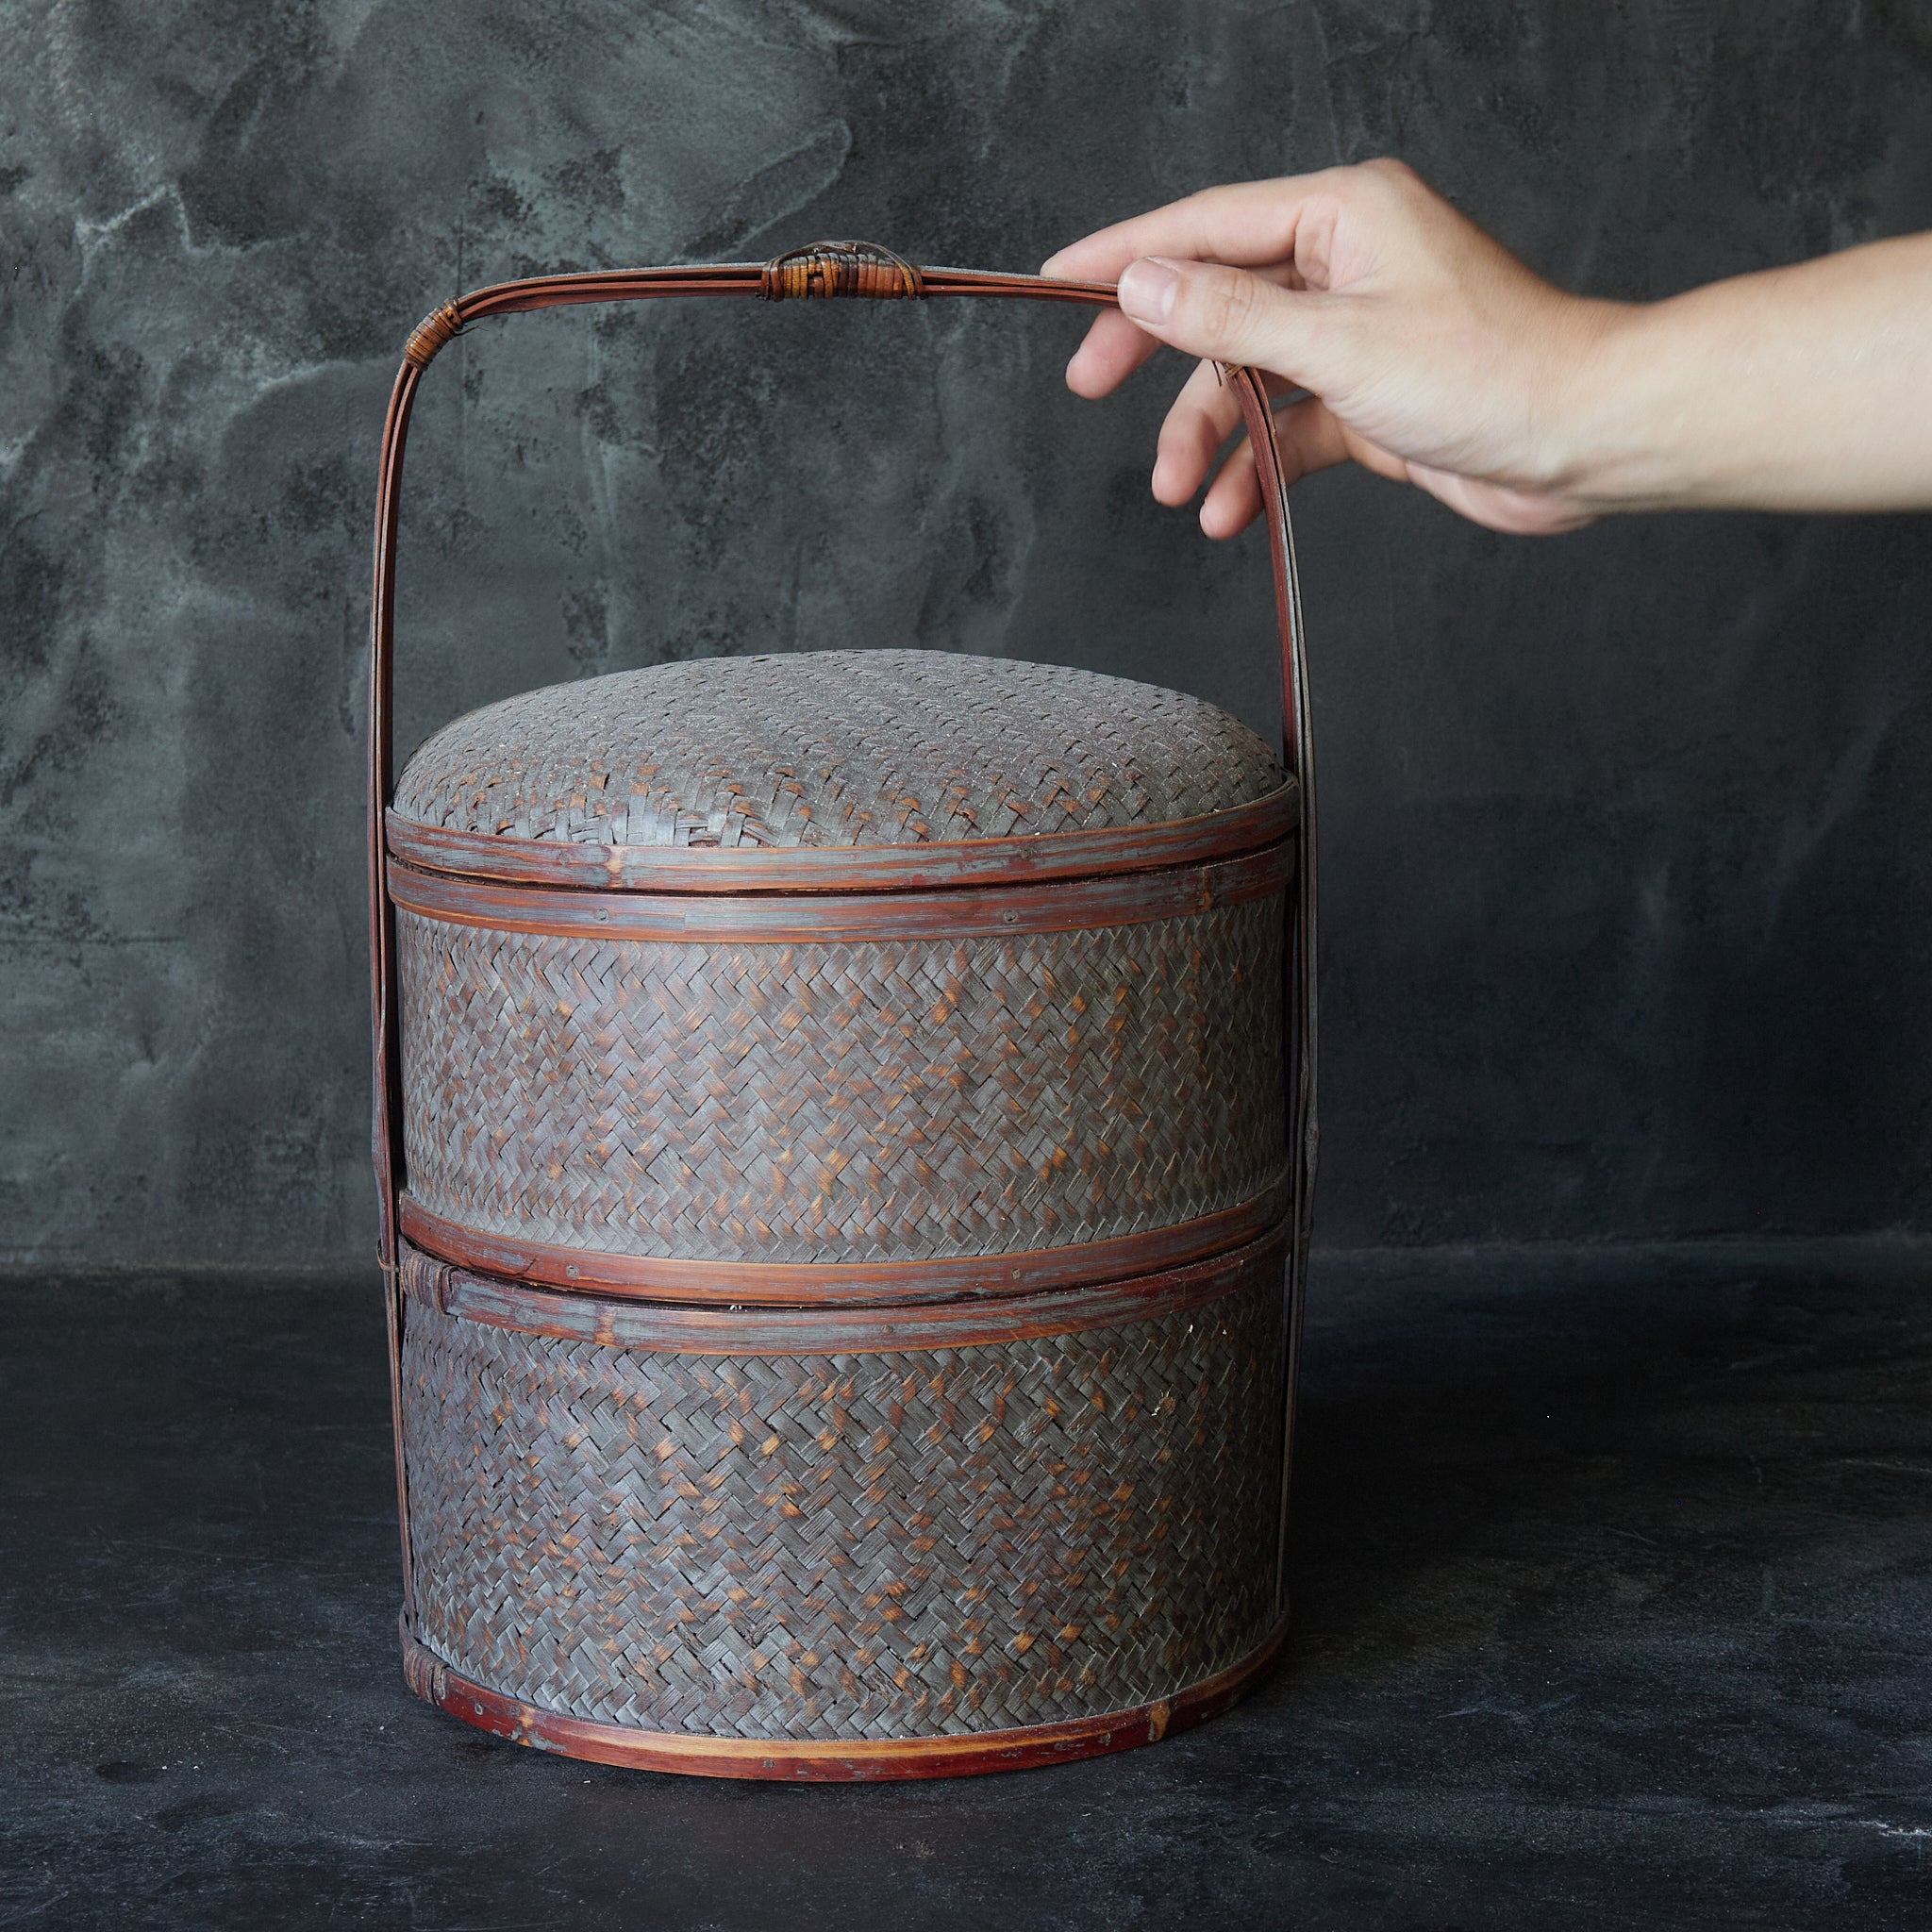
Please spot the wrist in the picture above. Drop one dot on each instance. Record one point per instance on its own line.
(1605, 429)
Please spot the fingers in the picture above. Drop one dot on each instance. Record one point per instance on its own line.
(1234, 501)
(1201, 418)
(1115, 345)
(1246, 223)
(1112, 350)
(1220, 314)
(1228, 315)
(1308, 439)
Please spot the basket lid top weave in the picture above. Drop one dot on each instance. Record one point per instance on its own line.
(834, 748)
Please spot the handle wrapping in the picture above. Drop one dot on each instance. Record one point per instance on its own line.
(821, 270)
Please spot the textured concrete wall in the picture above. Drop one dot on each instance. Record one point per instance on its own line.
(1628, 836)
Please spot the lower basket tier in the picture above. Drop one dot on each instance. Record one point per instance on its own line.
(845, 1551)
(847, 1761)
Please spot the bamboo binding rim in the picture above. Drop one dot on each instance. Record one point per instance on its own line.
(942, 865)
(924, 1281)
(783, 919)
(832, 1327)
(833, 1760)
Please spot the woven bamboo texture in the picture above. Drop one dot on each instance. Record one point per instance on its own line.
(834, 748)
(888, 1545)
(861, 1102)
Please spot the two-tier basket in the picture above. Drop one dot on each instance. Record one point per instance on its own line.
(844, 1127)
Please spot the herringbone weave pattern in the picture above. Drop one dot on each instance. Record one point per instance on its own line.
(889, 1546)
(851, 1102)
(834, 748)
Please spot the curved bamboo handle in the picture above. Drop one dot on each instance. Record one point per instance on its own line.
(822, 271)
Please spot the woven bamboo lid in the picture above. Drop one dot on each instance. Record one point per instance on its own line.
(832, 749)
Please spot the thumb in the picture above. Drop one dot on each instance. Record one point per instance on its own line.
(1224, 315)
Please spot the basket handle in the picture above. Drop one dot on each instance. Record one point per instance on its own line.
(820, 271)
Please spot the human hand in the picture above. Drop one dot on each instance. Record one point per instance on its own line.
(1429, 353)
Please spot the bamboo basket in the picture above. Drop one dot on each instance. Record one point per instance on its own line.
(844, 1132)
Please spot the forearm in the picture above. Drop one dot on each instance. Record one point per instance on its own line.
(1801, 388)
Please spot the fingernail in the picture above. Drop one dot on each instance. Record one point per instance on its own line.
(1147, 290)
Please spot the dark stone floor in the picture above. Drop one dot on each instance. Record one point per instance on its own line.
(1613, 1597)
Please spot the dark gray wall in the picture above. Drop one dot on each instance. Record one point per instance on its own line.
(1628, 836)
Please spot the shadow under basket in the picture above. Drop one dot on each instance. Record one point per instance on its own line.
(844, 1131)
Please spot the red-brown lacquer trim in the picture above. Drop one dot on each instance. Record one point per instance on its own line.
(840, 1330)
(799, 1284)
(845, 868)
(840, 1761)
(787, 920)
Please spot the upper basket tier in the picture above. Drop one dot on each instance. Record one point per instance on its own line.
(842, 1031)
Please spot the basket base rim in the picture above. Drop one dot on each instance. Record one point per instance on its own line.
(831, 1760)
